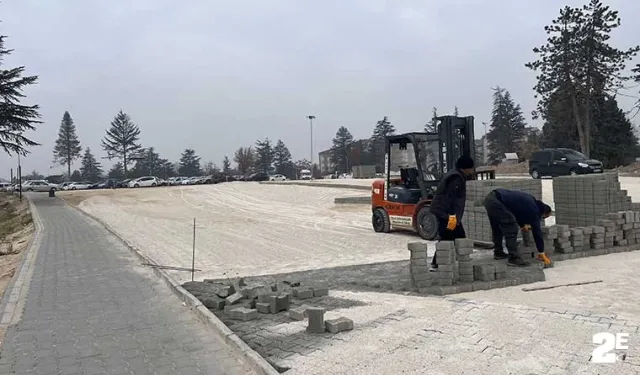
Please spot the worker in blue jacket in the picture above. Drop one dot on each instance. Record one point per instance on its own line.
(510, 211)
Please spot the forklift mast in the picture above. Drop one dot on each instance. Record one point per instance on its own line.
(456, 139)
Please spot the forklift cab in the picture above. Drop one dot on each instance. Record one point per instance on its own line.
(416, 162)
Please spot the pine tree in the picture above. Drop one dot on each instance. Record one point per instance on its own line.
(282, 159)
(376, 151)
(122, 139)
(117, 171)
(507, 128)
(614, 142)
(67, 147)
(432, 125)
(383, 128)
(244, 158)
(76, 176)
(264, 155)
(341, 149)
(636, 70)
(15, 118)
(149, 164)
(226, 165)
(579, 62)
(455, 111)
(189, 164)
(91, 169)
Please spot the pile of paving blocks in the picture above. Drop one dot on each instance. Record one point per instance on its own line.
(582, 200)
(454, 266)
(243, 302)
(475, 219)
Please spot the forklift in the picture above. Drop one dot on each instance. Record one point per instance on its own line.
(414, 164)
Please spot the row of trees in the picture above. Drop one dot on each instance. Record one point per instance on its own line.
(579, 76)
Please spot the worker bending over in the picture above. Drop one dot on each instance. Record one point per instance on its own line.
(509, 211)
(449, 200)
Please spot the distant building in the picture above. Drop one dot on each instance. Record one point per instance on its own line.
(359, 153)
(325, 163)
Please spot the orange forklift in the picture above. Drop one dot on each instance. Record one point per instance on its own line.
(414, 163)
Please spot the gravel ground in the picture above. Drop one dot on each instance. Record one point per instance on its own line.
(252, 229)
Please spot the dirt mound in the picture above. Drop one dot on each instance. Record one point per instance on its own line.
(631, 168)
(16, 228)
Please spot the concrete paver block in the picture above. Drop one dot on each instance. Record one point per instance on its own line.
(214, 303)
(234, 298)
(244, 314)
(316, 319)
(298, 313)
(263, 307)
(279, 303)
(338, 325)
(320, 291)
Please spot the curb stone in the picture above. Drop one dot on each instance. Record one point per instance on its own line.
(251, 357)
(13, 300)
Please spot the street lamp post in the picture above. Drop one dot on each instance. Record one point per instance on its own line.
(19, 178)
(311, 118)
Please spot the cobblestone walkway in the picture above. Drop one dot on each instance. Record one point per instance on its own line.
(92, 309)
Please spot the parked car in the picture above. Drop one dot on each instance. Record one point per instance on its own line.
(38, 185)
(107, 184)
(78, 185)
(261, 176)
(146, 181)
(305, 174)
(4, 186)
(63, 185)
(277, 177)
(123, 183)
(561, 162)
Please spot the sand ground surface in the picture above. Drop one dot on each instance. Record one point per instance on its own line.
(253, 229)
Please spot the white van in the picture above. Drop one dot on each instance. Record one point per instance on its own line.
(305, 174)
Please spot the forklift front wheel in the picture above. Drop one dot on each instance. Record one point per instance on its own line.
(427, 224)
(380, 221)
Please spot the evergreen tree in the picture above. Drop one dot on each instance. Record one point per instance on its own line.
(67, 147)
(341, 149)
(376, 150)
(33, 176)
(210, 169)
(614, 141)
(455, 111)
(117, 172)
(282, 159)
(432, 125)
(531, 144)
(149, 164)
(15, 118)
(226, 165)
(579, 62)
(264, 155)
(189, 163)
(91, 169)
(507, 127)
(244, 158)
(76, 176)
(636, 70)
(122, 139)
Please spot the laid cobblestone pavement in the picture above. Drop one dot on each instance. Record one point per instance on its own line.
(93, 309)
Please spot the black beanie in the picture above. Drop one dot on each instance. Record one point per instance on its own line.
(464, 162)
(544, 208)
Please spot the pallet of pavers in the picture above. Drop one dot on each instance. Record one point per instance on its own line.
(457, 272)
(243, 302)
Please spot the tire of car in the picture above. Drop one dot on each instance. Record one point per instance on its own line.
(73, 188)
(29, 189)
(136, 185)
(153, 184)
(535, 174)
(380, 221)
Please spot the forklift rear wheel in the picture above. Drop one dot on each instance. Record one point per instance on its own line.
(427, 224)
(380, 221)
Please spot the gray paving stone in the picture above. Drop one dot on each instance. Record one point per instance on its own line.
(92, 309)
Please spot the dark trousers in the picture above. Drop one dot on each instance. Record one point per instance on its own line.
(503, 225)
(448, 235)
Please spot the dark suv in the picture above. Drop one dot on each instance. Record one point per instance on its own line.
(561, 162)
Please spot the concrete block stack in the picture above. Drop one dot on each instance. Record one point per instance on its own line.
(576, 237)
(446, 257)
(597, 238)
(464, 249)
(609, 231)
(549, 235)
(562, 242)
(475, 220)
(419, 267)
(581, 200)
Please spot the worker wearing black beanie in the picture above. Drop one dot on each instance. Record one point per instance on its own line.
(449, 201)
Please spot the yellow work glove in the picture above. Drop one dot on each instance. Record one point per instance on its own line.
(526, 228)
(453, 222)
(544, 259)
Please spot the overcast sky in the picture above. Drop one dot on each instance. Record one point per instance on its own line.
(216, 75)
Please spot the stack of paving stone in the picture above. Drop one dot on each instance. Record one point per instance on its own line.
(490, 272)
(549, 235)
(609, 231)
(582, 200)
(475, 219)
(562, 242)
(597, 238)
(419, 267)
(446, 256)
(464, 249)
(576, 237)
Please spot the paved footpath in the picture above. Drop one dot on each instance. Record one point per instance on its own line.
(91, 308)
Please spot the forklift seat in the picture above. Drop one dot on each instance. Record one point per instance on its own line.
(409, 192)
